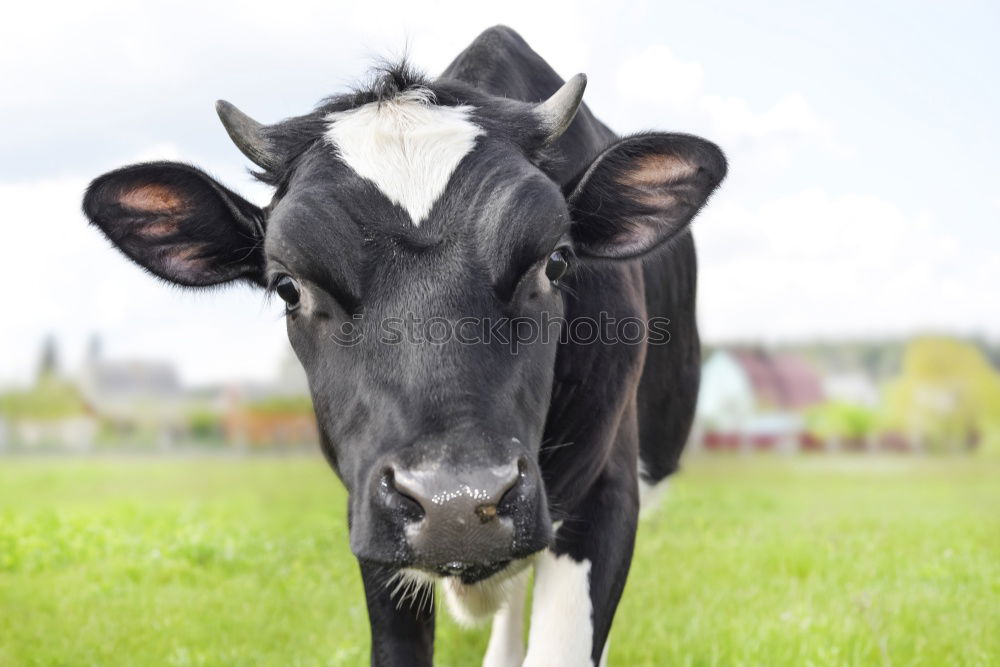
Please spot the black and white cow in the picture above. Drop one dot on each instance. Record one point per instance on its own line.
(463, 202)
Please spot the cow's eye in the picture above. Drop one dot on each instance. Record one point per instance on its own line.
(557, 264)
(288, 290)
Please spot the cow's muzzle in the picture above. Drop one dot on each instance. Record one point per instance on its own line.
(466, 521)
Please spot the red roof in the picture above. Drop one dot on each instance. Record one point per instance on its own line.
(784, 380)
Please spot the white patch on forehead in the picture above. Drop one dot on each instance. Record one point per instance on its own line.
(408, 146)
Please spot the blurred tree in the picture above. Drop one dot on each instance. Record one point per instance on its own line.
(282, 405)
(204, 424)
(48, 364)
(948, 395)
(48, 400)
(840, 419)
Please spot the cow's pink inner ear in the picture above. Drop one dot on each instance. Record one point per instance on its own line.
(187, 260)
(633, 238)
(159, 228)
(159, 210)
(154, 198)
(656, 170)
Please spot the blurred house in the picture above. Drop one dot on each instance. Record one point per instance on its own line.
(271, 423)
(51, 414)
(726, 401)
(854, 387)
(143, 402)
(138, 401)
(274, 414)
(755, 399)
(926, 394)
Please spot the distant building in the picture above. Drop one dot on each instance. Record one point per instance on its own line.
(726, 400)
(142, 403)
(268, 425)
(115, 387)
(273, 414)
(73, 433)
(138, 400)
(51, 414)
(112, 385)
(753, 399)
(782, 381)
(851, 387)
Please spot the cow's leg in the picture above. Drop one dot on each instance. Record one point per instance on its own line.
(402, 625)
(506, 647)
(579, 581)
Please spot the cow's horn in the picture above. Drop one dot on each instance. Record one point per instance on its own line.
(248, 135)
(558, 111)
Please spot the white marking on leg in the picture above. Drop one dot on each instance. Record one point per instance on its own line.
(562, 626)
(408, 146)
(650, 495)
(506, 647)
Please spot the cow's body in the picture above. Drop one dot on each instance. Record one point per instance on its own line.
(500, 62)
(616, 409)
(487, 195)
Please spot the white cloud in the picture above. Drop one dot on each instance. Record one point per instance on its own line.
(654, 84)
(656, 76)
(117, 45)
(805, 263)
(161, 151)
(813, 264)
(790, 115)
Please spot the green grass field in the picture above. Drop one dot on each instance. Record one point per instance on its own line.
(750, 561)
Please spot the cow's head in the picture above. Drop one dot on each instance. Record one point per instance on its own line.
(413, 229)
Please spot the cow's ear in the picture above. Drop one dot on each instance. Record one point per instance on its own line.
(179, 223)
(641, 192)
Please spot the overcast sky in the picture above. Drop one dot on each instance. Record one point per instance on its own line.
(862, 140)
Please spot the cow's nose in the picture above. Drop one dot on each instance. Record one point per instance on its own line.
(466, 513)
(458, 496)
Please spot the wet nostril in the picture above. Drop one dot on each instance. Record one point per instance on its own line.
(508, 495)
(410, 504)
